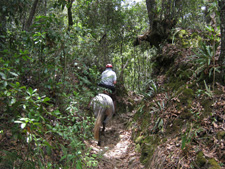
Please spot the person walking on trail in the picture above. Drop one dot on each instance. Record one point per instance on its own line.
(108, 78)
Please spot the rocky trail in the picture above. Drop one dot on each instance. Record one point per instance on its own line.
(117, 149)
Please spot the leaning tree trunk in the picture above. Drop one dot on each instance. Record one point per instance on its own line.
(31, 16)
(222, 28)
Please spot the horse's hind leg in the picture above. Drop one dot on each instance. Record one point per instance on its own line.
(114, 103)
(99, 143)
(104, 124)
(103, 128)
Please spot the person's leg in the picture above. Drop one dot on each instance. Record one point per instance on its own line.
(104, 86)
(114, 102)
(104, 123)
(113, 96)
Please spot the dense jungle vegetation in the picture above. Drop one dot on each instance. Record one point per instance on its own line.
(169, 57)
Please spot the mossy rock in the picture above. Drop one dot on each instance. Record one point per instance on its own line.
(213, 164)
(138, 148)
(186, 114)
(186, 93)
(153, 139)
(139, 139)
(196, 40)
(185, 43)
(186, 96)
(130, 105)
(206, 103)
(179, 72)
(147, 152)
(136, 132)
(200, 159)
(175, 128)
(145, 121)
(220, 135)
(182, 33)
(148, 147)
(143, 117)
(183, 37)
(203, 162)
(175, 85)
(140, 111)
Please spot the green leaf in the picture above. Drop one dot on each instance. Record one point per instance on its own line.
(17, 84)
(63, 157)
(46, 70)
(79, 165)
(5, 83)
(29, 138)
(14, 74)
(30, 91)
(47, 144)
(23, 125)
(49, 150)
(18, 122)
(3, 76)
(13, 100)
(94, 155)
(46, 99)
(184, 139)
(56, 112)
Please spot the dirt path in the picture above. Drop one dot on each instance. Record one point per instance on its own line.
(117, 149)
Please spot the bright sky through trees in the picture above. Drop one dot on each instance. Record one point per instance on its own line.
(132, 1)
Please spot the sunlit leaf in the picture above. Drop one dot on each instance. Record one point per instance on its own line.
(23, 125)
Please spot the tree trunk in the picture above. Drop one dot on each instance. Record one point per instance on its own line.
(45, 3)
(2, 31)
(31, 16)
(70, 17)
(151, 8)
(222, 28)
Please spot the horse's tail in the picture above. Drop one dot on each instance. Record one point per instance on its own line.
(98, 123)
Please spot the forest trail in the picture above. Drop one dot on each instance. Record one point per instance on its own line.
(117, 149)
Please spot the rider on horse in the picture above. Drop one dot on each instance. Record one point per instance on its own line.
(108, 78)
(103, 105)
(108, 81)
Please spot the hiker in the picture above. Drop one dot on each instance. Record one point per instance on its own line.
(108, 78)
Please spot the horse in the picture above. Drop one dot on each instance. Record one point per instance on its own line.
(103, 109)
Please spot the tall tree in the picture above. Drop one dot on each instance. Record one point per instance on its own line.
(151, 8)
(222, 28)
(31, 16)
(70, 17)
(2, 28)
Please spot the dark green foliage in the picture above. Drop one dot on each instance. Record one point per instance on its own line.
(32, 124)
(203, 60)
(43, 94)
